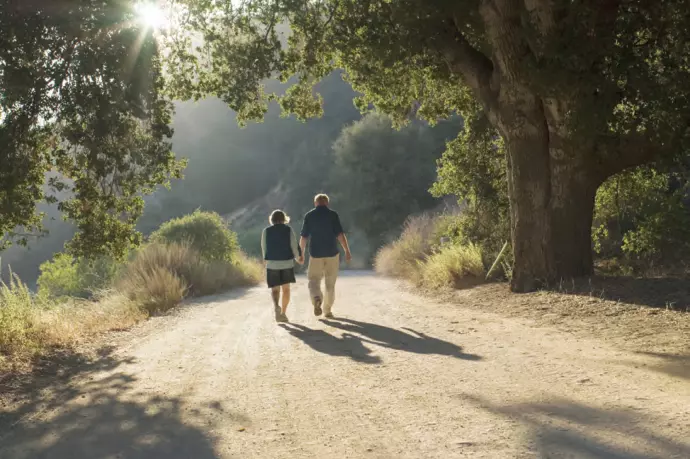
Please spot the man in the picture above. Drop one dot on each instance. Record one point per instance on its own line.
(323, 230)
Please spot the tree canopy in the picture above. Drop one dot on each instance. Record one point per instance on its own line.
(81, 107)
(578, 90)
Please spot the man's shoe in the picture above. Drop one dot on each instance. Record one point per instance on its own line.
(329, 315)
(282, 318)
(317, 306)
(277, 311)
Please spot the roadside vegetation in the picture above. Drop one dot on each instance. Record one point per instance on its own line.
(191, 256)
(641, 224)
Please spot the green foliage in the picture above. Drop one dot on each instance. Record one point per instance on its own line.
(82, 97)
(206, 232)
(642, 219)
(66, 275)
(473, 168)
(585, 89)
(381, 175)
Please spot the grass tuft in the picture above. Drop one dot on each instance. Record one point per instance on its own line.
(453, 266)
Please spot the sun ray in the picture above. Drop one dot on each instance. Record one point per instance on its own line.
(151, 15)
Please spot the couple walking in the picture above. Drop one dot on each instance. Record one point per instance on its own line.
(323, 231)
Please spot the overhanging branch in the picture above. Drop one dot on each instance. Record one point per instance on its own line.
(621, 152)
(475, 68)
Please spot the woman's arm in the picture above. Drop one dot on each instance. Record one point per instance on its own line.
(263, 244)
(293, 245)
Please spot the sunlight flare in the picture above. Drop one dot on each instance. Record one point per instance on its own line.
(151, 15)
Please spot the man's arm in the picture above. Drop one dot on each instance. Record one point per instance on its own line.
(304, 235)
(338, 229)
(343, 241)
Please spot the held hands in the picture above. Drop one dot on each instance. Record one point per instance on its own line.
(300, 259)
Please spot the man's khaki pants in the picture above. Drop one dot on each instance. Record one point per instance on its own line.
(318, 269)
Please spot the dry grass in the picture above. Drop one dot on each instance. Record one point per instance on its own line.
(417, 257)
(157, 279)
(453, 266)
(31, 326)
(402, 257)
(161, 275)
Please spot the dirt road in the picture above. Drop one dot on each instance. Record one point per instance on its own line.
(394, 376)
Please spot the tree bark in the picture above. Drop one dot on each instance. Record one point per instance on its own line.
(551, 205)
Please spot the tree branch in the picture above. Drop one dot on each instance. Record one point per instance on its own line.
(475, 68)
(621, 152)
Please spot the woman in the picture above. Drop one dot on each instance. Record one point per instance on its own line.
(279, 248)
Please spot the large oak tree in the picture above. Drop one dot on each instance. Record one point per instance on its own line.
(578, 89)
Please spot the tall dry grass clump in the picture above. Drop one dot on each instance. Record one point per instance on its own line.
(160, 275)
(402, 257)
(453, 266)
(419, 256)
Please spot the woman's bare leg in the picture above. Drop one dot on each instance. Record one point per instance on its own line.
(275, 295)
(286, 296)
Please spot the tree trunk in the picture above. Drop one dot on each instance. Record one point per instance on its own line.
(552, 205)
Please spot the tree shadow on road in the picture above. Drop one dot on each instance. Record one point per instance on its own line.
(676, 365)
(565, 428)
(95, 412)
(391, 338)
(347, 346)
(667, 292)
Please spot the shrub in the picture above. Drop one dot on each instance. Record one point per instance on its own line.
(642, 221)
(453, 266)
(65, 275)
(206, 232)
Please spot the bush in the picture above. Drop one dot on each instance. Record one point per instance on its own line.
(65, 275)
(642, 221)
(205, 232)
(453, 266)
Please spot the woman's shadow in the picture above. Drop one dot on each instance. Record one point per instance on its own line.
(414, 341)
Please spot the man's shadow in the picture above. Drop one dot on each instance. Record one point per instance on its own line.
(347, 346)
(415, 342)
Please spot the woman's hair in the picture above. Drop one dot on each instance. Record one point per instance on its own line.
(278, 216)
